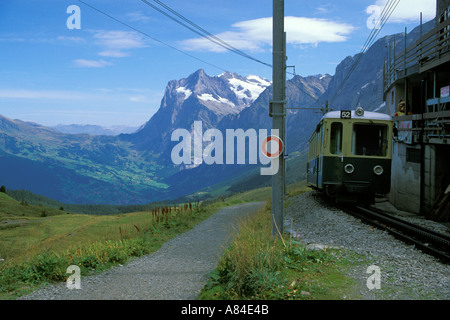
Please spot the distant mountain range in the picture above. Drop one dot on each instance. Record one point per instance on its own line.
(86, 164)
(93, 129)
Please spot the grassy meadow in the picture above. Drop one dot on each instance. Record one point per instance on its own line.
(38, 244)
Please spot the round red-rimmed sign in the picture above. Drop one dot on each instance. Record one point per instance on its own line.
(275, 143)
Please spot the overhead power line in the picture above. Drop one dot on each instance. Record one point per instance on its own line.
(150, 37)
(388, 9)
(188, 24)
(384, 16)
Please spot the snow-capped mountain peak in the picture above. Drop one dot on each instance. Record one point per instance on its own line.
(247, 89)
(223, 94)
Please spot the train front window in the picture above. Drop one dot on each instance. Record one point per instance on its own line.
(370, 140)
(336, 138)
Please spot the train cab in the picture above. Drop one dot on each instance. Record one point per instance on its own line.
(350, 155)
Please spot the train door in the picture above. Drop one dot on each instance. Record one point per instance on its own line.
(312, 159)
(319, 158)
(316, 159)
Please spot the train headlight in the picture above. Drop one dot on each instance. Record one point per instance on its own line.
(378, 170)
(359, 111)
(349, 169)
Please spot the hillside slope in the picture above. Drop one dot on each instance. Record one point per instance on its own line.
(13, 211)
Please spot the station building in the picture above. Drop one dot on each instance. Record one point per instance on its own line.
(417, 95)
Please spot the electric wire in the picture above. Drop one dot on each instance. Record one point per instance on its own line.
(386, 13)
(207, 33)
(377, 28)
(150, 37)
(384, 16)
(200, 31)
(388, 9)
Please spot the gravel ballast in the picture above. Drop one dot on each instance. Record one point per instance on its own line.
(405, 272)
(177, 271)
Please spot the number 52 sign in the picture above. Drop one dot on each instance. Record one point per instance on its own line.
(346, 114)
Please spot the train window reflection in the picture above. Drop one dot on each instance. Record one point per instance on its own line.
(336, 138)
(369, 140)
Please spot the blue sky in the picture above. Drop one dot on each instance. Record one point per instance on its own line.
(108, 74)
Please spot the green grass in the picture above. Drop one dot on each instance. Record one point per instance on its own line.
(38, 250)
(259, 266)
(12, 209)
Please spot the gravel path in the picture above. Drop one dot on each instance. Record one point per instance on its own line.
(177, 271)
(406, 273)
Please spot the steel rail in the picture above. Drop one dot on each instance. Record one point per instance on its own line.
(428, 241)
(436, 238)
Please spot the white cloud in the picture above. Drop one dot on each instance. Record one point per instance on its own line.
(71, 39)
(256, 35)
(124, 95)
(139, 99)
(114, 44)
(138, 16)
(313, 31)
(44, 94)
(79, 106)
(113, 54)
(118, 43)
(91, 63)
(409, 11)
(326, 8)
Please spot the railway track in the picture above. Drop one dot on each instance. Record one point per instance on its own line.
(428, 241)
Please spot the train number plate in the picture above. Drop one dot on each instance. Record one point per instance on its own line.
(346, 114)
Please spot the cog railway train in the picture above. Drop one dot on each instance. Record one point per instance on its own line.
(350, 155)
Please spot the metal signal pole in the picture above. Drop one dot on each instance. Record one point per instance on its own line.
(278, 113)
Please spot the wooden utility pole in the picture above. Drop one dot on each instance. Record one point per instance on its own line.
(278, 113)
